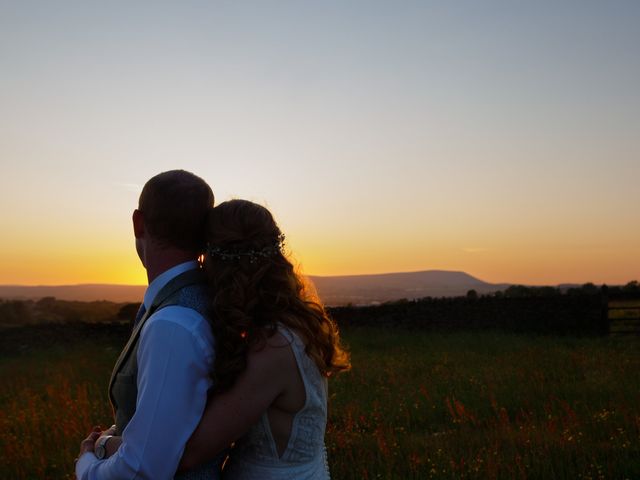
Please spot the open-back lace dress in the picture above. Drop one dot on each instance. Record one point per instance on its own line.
(255, 455)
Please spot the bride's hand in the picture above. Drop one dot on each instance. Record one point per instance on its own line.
(109, 431)
(87, 444)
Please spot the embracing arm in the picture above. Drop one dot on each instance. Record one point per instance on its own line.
(228, 415)
(172, 388)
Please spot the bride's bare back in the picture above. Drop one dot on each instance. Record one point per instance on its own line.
(276, 412)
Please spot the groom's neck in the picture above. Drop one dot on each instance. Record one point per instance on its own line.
(165, 259)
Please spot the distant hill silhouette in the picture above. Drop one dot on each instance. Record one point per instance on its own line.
(82, 293)
(368, 289)
(334, 290)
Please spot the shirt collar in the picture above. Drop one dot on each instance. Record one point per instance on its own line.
(165, 277)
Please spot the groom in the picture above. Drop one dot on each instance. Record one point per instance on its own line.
(159, 384)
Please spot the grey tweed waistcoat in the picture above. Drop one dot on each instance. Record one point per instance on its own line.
(186, 290)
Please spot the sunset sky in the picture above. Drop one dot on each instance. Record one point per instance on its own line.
(501, 138)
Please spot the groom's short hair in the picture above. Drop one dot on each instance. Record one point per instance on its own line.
(175, 205)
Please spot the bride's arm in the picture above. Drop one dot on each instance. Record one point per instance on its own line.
(229, 415)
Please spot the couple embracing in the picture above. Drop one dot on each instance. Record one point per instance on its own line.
(227, 348)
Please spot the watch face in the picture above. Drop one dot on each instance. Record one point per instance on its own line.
(100, 451)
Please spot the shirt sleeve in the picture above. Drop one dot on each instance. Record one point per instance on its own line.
(173, 380)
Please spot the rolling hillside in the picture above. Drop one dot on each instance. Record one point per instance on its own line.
(336, 290)
(367, 289)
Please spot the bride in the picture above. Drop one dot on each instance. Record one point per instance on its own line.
(276, 347)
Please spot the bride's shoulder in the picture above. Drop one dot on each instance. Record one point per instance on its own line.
(274, 354)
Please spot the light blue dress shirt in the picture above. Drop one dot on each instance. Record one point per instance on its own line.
(175, 357)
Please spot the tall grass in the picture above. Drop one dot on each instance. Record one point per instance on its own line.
(50, 399)
(415, 405)
(486, 406)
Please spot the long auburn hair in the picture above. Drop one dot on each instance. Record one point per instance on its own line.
(254, 287)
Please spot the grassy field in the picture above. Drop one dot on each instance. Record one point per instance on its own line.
(415, 405)
(486, 406)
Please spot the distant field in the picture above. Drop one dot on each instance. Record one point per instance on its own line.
(627, 308)
(624, 316)
(416, 405)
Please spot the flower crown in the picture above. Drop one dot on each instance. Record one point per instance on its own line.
(253, 255)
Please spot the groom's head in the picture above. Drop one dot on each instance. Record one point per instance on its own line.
(172, 212)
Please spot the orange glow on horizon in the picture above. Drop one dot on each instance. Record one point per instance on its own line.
(410, 145)
(114, 260)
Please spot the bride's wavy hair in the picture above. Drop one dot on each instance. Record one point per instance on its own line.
(254, 287)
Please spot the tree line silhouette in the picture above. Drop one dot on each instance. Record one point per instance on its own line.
(582, 310)
(520, 309)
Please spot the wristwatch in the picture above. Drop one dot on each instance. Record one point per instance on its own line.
(101, 447)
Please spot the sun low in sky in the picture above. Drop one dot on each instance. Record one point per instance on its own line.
(498, 138)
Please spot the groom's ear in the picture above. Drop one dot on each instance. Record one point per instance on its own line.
(138, 223)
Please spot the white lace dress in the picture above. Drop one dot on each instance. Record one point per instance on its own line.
(255, 455)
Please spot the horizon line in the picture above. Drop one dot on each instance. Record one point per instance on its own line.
(144, 285)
